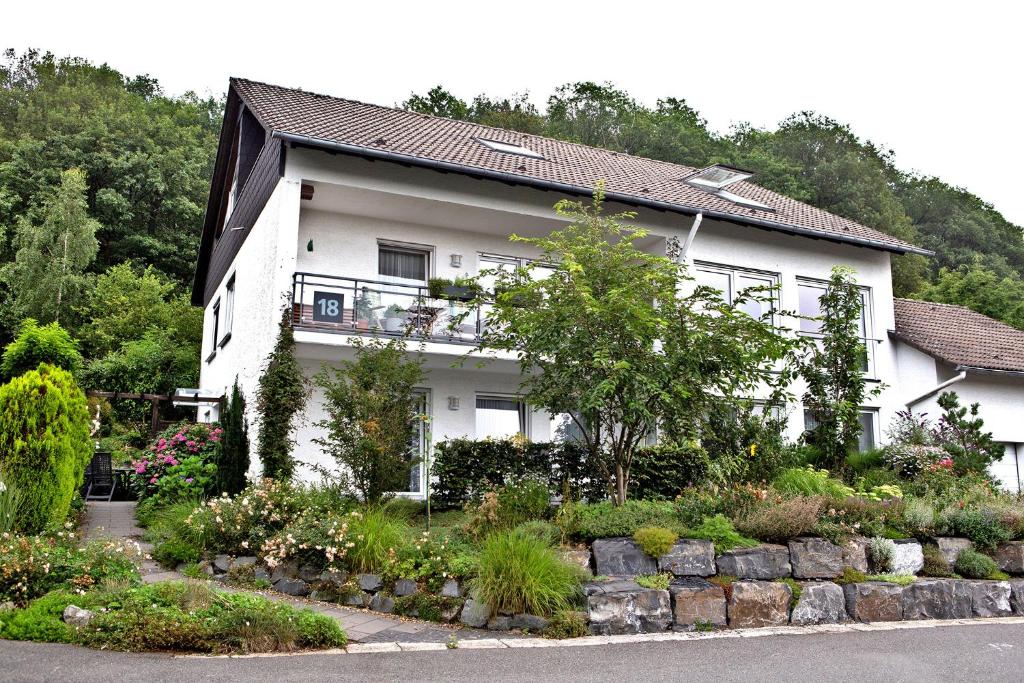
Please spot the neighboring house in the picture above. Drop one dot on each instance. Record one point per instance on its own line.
(940, 347)
(340, 212)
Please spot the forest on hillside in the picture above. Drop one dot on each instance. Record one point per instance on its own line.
(104, 179)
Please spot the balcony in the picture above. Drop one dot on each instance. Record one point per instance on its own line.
(345, 305)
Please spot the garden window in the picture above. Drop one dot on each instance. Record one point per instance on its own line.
(418, 445)
(732, 281)
(499, 417)
(868, 419)
(229, 310)
(810, 294)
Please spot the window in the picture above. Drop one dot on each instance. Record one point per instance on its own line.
(229, 310)
(731, 282)
(216, 329)
(565, 429)
(868, 428)
(810, 294)
(403, 265)
(1006, 470)
(418, 445)
(718, 176)
(500, 417)
(509, 148)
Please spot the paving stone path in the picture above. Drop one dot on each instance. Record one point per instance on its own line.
(117, 519)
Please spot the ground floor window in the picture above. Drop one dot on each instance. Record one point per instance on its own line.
(1006, 470)
(418, 444)
(500, 417)
(868, 428)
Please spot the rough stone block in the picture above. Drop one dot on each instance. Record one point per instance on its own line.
(292, 587)
(644, 610)
(451, 589)
(696, 601)
(529, 622)
(855, 554)
(243, 561)
(499, 622)
(820, 603)
(222, 563)
(754, 604)
(990, 598)
(261, 573)
(689, 557)
(951, 547)
(621, 557)
(874, 601)
(284, 570)
(762, 562)
(369, 582)
(1017, 596)
(937, 599)
(475, 613)
(309, 573)
(382, 603)
(610, 586)
(334, 577)
(815, 558)
(580, 558)
(1010, 557)
(404, 587)
(908, 558)
(76, 616)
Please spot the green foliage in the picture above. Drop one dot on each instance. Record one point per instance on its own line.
(35, 565)
(744, 442)
(898, 579)
(961, 435)
(795, 590)
(655, 541)
(832, 371)
(426, 606)
(44, 444)
(37, 344)
(466, 468)
(584, 345)
(566, 623)
(606, 520)
(233, 458)
(541, 530)
(881, 553)
(40, 620)
(862, 462)
(281, 394)
(661, 472)
(371, 405)
(778, 521)
(935, 563)
(720, 531)
(180, 464)
(375, 535)
(518, 573)
(655, 581)
(981, 289)
(808, 481)
(971, 564)
(10, 502)
(851, 575)
(983, 527)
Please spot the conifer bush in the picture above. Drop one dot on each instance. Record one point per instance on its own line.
(44, 444)
(233, 458)
(37, 344)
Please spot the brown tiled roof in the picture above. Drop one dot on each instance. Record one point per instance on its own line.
(380, 131)
(959, 336)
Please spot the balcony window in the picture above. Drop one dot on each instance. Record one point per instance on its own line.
(500, 417)
(403, 265)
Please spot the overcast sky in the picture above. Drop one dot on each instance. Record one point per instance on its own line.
(939, 83)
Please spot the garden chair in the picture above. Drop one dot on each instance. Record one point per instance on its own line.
(101, 478)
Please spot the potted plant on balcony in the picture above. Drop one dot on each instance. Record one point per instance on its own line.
(460, 289)
(363, 310)
(394, 318)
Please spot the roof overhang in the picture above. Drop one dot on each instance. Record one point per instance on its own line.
(578, 190)
(957, 367)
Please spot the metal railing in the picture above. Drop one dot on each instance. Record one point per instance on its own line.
(347, 305)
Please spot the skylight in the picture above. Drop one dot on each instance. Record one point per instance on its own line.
(743, 201)
(716, 177)
(509, 148)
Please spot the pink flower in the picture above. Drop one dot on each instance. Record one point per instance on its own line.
(188, 480)
(152, 480)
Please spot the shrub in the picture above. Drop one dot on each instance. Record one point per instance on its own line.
(36, 344)
(319, 631)
(430, 560)
(935, 563)
(909, 460)
(233, 458)
(566, 623)
(542, 530)
(918, 517)
(781, 520)
(44, 444)
(179, 464)
(720, 531)
(375, 537)
(971, 564)
(280, 395)
(509, 506)
(808, 481)
(41, 619)
(862, 461)
(323, 543)
(655, 581)
(426, 606)
(241, 525)
(605, 520)
(984, 528)
(881, 552)
(518, 573)
(466, 468)
(655, 541)
(661, 472)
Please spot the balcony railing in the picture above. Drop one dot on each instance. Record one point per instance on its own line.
(346, 305)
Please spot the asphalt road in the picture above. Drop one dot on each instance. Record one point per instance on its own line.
(989, 653)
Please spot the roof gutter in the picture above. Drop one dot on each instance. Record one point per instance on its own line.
(974, 370)
(512, 178)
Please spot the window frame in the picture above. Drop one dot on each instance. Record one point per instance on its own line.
(522, 411)
(228, 310)
(427, 250)
(215, 311)
(424, 395)
(867, 320)
(735, 273)
(876, 433)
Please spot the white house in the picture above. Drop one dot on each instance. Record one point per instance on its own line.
(340, 212)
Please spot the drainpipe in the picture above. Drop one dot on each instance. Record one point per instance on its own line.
(931, 392)
(689, 238)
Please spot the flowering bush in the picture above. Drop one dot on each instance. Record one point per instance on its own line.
(322, 543)
(241, 525)
(31, 566)
(912, 459)
(179, 464)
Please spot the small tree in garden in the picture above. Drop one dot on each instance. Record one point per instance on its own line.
(233, 459)
(281, 394)
(44, 444)
(37, 344)
(372, 406)
(959, 432)
(609, 339)
(833, 371)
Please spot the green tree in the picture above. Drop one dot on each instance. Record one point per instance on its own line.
(438, 102)
(37, 344)
(44, 444)
(281, 394)
(833, 371)
(960, 432)
(981, 290)
(233, 456)
(55, 246)
(371, 407)
(122, 305)
(607, 339)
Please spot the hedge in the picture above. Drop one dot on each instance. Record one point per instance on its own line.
(465, 468)
(44, 444)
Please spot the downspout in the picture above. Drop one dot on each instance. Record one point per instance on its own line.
(931, 392)
(689, 237)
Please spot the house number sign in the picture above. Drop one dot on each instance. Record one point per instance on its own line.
(328, 307)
